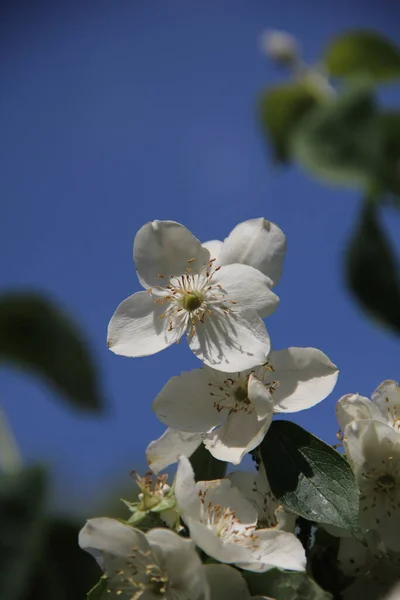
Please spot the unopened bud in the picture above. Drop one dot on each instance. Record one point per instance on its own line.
(280, 46)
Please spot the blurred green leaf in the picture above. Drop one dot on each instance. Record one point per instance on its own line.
(282, 585)
(205, 466)
(281, 108)
(390, 127)
(35, 334)
(371, 270)
(309, 477)
(363, 52)
(340, 142)
(98, 591)
(22, 499)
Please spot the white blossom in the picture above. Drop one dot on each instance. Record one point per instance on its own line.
(234, 411)
(153, 566)
(257, 242)
(280, 45)
(384, 406)
(223, 523)
(170, 446)
(373, 450)
(218, 307)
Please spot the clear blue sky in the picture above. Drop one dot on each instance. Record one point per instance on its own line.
(116, 113)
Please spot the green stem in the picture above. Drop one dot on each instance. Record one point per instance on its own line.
(10, 456)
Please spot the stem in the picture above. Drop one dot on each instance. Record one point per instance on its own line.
(10, 456)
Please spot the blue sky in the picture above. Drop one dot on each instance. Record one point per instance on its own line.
(116, 113)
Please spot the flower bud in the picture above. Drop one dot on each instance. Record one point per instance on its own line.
(280, 46)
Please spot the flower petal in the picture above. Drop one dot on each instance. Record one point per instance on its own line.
(247, 288)
(232, 342)
(166, 450)
(387, 399)
(214, 247)
(276, 548)
(258, 243)
(226, 583)
(221, 492)
(261, 397)
(353, 407)
(185, 403)
(136, 328)
(164, 248)
(305, 375)
(215, 545)
(239, 434)
(179, 558)
(186, 493)
(108, 539)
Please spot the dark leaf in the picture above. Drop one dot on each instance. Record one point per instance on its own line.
(281, 108)
(22, 498)
(371, 270)
(282, 585)
(205, 466)
(340, 142)
(390, 176)
(309, 477)
(98, 591)
(363, 52)
(35, 334)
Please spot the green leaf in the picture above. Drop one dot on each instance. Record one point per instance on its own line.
(340, 142)
(390, 128)
(97, 592)
(363, 52)
(282, 585)
(35, 334)
(371, 270)
(281, 108)
(309, 477)
(205, 466)
(22, 498)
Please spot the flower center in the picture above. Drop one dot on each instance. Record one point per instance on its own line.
(192, 301)
(241, 394)
(386, 482)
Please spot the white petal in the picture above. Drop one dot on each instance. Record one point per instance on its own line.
(239, 434)
(185, 403)
(306, 376)
(231, 343)
(370, 443)
(387, 398)
(164, 248)
(261, 397)
(221, 492)
(136, 328)
(214, 247)
(247, 288)
(108, 539)
(179, 558)
(186, 493)
(276, 549)
(258, 243)
(226, 583)
(353, 407)
(169, 447)
(214, 545)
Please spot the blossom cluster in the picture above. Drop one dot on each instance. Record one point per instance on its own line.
(217, 295)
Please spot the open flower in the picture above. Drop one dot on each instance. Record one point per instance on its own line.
(218, 307)
(373, 450)
(234, 411)
(223, 523)
(153, 566)
(257, 243)
(384, 406)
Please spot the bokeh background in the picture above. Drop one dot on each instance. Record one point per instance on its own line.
(116, 113)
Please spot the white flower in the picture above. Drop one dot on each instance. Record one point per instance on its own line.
(280, 45)
(219, 308)
(155, 496)
(255, 487)
(257, 243)
(373, 450)
(157, 565)
(170, 446)
(234, 411)
(384, 406)
(223, 523)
